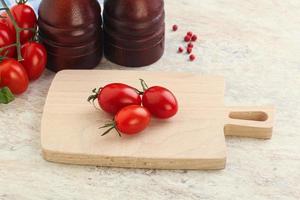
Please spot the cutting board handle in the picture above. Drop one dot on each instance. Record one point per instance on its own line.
(253, 122)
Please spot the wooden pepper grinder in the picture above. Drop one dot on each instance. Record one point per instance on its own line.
(71, 31)
(134, 31)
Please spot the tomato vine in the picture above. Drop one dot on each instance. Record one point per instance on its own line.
(17, 28)
(6, 95)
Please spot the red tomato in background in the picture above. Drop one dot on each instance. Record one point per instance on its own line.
(13, 75)
(34, 59)
(7, 38)
(25, 18)
(160, 102)
(132, 119)
(3, 18)
(113, 97)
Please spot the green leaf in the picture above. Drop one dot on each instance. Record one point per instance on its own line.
(6, 96)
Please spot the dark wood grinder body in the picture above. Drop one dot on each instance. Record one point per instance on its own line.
(71, 31)
(134, 31)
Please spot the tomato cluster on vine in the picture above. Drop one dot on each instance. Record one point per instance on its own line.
(132, 109)
(22, 58)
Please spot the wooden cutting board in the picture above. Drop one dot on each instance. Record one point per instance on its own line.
(193, 139)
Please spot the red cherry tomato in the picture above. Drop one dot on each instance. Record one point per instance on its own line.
(25, 18)
(4, 20)
(34, 59)
(13, 75)
(130, 120)
(160, 102)
(7, 38)
(113, 97)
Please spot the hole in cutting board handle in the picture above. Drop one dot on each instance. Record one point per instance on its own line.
(253, 116)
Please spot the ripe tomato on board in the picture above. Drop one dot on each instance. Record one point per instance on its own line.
(34, 59)
(25, 18)
(115, 96)
(130, 120)
(13, 75)
(7, 38)
(160, 101)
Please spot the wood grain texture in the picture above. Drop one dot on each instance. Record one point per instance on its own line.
(254, 122)
(194, 139)
(254, 47)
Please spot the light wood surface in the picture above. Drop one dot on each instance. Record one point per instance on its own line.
(194, 139)
(254, 122)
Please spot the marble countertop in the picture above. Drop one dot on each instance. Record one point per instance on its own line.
(255, 44)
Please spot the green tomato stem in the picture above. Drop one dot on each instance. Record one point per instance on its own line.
(7, 47)
(21, 1)
(144, 85)
(112, 125)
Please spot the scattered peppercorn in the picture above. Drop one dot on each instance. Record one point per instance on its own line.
(190, 45)
(190, 37)
(175, 27)
(192, 57)
(187, 38)
(180, 50)
(194, 38)
(189, 33)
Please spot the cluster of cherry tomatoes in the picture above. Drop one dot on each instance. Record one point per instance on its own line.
(15, 74)
(132, 109)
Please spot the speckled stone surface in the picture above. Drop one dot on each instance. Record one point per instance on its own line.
(255, 44)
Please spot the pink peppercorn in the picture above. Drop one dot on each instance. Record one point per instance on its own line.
(194, 38)
(190, 45)
(189, 33)
(187, 38)
(180, 50)
(192, 57)
(175, 27)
